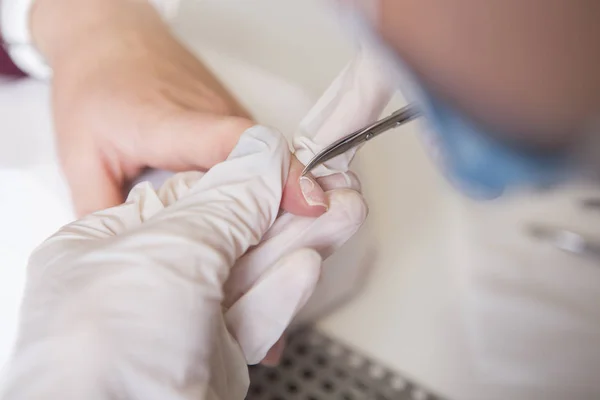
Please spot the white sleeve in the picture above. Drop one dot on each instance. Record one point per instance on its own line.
(17, 35)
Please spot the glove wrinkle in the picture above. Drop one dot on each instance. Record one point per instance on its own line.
(355, 99)
(128, 301)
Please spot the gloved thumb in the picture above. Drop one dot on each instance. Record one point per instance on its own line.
(259, 318)
(215, 217)
(231, 207)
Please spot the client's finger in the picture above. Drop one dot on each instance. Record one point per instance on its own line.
(302, 196)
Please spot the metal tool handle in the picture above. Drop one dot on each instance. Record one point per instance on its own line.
(357, 138)
(394, 120)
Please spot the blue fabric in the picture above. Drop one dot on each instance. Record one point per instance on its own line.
(479, 164)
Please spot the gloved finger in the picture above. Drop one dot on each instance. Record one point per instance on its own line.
(342, 180)
(259, 318)
(141, 204)
(99, 225)
(177, 186)
(307, 204)
(325, 234)
(355, 99)
(230, 208)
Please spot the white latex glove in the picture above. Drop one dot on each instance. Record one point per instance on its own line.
(355, 99)
(126, 303)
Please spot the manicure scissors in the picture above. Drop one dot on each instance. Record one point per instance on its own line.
(396, 119)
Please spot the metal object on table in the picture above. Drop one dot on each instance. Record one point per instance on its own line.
(363, 135)
(316, 367)
(567, 241)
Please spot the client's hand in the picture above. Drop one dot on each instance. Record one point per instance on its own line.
(127, 96)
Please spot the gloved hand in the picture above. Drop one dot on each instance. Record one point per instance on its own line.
(126, 303)
(355, 99)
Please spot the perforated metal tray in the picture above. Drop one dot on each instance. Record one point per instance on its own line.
(316, 367)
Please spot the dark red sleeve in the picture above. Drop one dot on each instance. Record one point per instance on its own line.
(7, 67)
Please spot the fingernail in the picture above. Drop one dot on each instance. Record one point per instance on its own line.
(312, 192)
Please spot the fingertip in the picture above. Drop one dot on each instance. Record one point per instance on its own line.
(294, 201)
(342, 180)
(94, 192)
(349, 204)
(275, 353)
